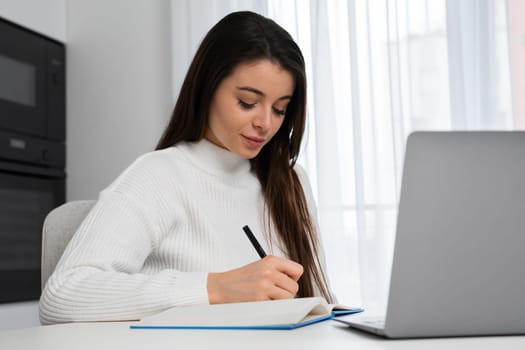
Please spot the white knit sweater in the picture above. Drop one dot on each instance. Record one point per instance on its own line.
(154, 234)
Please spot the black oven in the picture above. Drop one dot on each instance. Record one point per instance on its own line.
(27, 194)
(32, 153)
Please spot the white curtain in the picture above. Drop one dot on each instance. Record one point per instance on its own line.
(377, 71)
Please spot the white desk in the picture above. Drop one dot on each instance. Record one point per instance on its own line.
(325, 335)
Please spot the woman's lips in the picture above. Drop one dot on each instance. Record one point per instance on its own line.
(253, 141)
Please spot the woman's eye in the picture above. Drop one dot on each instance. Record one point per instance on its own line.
(246, 105)
(279, 111)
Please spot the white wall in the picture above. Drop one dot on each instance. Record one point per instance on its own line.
(119, 87)
(46, 17)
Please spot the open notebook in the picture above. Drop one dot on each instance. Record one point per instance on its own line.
(273, 314)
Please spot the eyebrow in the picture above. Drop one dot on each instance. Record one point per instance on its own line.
(260, 93)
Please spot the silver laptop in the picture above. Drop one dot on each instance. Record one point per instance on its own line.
(459, 258)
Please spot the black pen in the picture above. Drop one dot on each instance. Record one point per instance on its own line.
(254, 241)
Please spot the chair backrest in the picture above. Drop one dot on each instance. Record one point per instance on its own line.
(59, 226)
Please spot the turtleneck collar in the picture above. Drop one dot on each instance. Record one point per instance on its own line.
(214, 159)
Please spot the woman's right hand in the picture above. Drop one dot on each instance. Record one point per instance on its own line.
(266, 279)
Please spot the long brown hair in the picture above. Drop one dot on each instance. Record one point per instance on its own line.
(242, 37)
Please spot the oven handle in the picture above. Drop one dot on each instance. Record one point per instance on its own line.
(18, 168)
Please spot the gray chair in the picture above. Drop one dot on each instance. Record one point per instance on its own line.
(59, 226)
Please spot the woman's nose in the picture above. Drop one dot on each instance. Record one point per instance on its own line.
(263, 120)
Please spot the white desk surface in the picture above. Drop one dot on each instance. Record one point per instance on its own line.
(325, 335)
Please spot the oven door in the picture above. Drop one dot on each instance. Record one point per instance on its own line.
(22, 84)
(27, 194)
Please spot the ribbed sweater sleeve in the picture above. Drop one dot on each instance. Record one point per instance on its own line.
(100, 275)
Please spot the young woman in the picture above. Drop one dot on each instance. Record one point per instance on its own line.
(168, 230)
